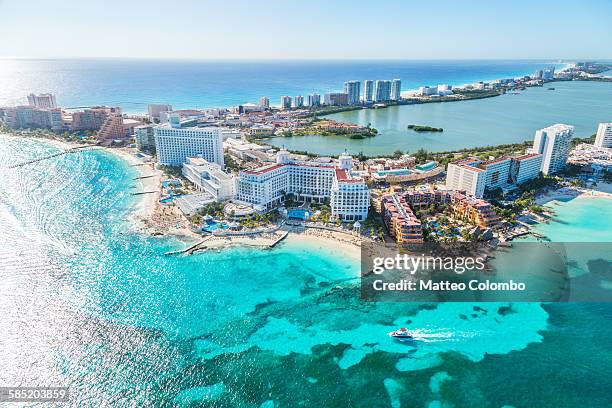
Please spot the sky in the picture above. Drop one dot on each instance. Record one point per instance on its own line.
(314, 29)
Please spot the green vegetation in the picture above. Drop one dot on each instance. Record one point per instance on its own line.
(373, 224)
(259, 220)
(478, 93)
(172, 171)
(421, 128)
(311, 130)
(526, 201)
(329, 110)
(230, 163)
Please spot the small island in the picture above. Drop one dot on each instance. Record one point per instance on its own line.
(420, 128)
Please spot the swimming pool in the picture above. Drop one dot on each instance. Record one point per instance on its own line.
(297, 214)
(396, 172)
(212, 226)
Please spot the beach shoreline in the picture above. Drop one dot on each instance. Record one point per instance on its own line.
(148, 216)
(603, 190)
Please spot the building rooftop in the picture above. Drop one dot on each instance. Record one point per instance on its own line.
(527, 156)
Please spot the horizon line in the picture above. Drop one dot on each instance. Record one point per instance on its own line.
(297, 59)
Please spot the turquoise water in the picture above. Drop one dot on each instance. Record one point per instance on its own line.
(89, 304)
(398, 172)
(505, 119)
(134, 83)
(297, 213)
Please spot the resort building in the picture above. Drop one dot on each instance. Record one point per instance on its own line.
(310, 181)
(396, 89)
(175, 143)
(466, 176)
(335, 99)
(93, 118)
(44, 101)
(604, 135)
(30, 116)
(474, 210)
(428, 90)
(264, 102)
(314, 99)
(526, 167)
(260, 130)
(156, 109)
(111, 129)
(497, 172)
(403, 226)
(427, 197)
(350, 196)
(382, 91)
(353, 90)
(553, 143)
(368, 91)
(285, 102)
(210, 178)
(145, 138)
(298, 101)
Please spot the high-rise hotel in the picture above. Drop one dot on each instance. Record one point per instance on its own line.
(353, 90)
(553, 143)
(382, 91)
(604, 136)
(396, 89)
(174, 143)
(368, 91)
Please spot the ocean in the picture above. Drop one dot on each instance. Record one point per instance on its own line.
(91, 305)
(132, 84)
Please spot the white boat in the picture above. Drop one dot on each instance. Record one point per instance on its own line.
(402, 334)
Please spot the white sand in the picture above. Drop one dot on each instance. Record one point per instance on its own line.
(603, 190)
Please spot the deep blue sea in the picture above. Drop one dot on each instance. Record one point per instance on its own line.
(87, 303)
(133, 84)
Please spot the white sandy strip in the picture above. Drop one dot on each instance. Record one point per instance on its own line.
(328, 243)
(603, 190)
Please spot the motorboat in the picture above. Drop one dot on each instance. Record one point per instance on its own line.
(401, 334)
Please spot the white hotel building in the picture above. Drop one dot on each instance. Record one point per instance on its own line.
(553, 143)
(604, 136)
(210, 178)
(526, 167)
(174, 144)
(465, 176)
(474, 176)
(310, 181)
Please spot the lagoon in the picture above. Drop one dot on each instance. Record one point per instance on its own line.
(510, 118)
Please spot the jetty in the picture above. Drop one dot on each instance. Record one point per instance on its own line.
(145, 192)
(189, 250)
(279, 239)
(63, 152)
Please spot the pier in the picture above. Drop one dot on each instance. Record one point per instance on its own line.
(189, 250)
(145, 192)
(63, 152)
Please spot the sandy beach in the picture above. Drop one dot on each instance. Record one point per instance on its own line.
(603, 190)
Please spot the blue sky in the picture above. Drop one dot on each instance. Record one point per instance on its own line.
(307, 29)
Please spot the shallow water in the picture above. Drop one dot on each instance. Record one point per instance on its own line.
(88, 304)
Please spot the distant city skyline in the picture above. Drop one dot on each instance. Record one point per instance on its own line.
(307, 30)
